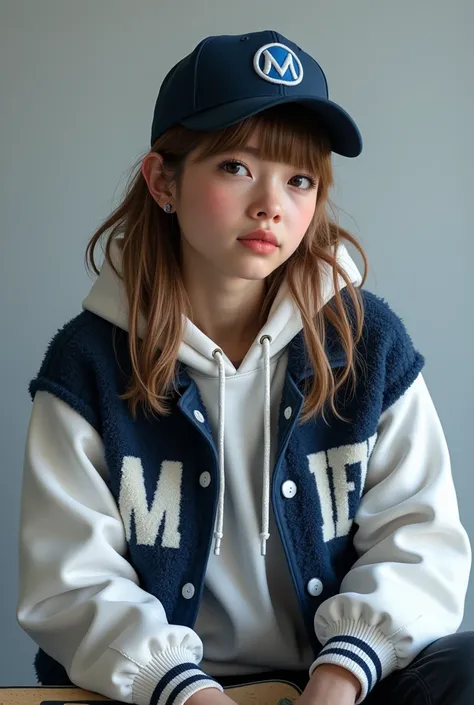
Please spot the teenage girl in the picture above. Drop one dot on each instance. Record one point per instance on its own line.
(234, 469)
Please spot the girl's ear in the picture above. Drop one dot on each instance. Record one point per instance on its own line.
(158, 184)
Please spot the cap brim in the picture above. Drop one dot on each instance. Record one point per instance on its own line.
(344, 134)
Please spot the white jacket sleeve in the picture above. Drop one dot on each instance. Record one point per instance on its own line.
(80, 599)
(408, 586)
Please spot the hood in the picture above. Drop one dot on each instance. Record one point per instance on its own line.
(107, 299)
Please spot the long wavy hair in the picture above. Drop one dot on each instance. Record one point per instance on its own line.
(150, 242)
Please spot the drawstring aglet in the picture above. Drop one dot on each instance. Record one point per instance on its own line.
(263, 545)
(217, 545)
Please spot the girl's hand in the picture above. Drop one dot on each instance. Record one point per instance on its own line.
(209, 696)
(330, 685)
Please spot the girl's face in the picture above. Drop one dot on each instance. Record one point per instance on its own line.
(228, 196)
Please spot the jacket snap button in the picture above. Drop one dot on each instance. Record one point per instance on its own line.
(205, 479)
(288, 411)
(199, 416)
(288, 489)
(314, 587)
(188, 591)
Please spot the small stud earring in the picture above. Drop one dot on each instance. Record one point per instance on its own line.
(168, 208)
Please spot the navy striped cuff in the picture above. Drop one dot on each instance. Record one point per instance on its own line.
(179, 679)
(170, 678)
(368, 659)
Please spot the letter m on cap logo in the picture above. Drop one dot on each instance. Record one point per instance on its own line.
(277, 63)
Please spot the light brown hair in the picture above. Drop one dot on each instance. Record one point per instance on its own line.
(151, 259)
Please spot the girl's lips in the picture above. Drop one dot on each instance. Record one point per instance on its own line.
(262, 235)
(259, 246)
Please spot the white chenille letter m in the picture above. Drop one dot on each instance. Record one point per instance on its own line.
(166, 506)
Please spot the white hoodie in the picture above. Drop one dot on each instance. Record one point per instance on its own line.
(249, 620)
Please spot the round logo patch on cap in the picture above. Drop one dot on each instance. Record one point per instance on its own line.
(277, 63)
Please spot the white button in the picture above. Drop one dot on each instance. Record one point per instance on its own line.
(199, 416)
(288, 489)
(314, 587)
(188, 591)
(205, 479)
(288, 411)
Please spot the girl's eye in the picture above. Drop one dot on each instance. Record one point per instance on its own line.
(232, 166)
(303, 182)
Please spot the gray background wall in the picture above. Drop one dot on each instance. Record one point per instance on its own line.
(78, 82)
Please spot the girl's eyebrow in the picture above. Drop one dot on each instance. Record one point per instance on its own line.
(254, 151)
(251, 150)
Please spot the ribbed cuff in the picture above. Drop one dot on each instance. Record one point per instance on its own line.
(170, 678)
(363, 650)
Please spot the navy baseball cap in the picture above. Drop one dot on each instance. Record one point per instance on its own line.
(228, 78)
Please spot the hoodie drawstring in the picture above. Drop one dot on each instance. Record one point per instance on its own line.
(218, 355)
(264, 535)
